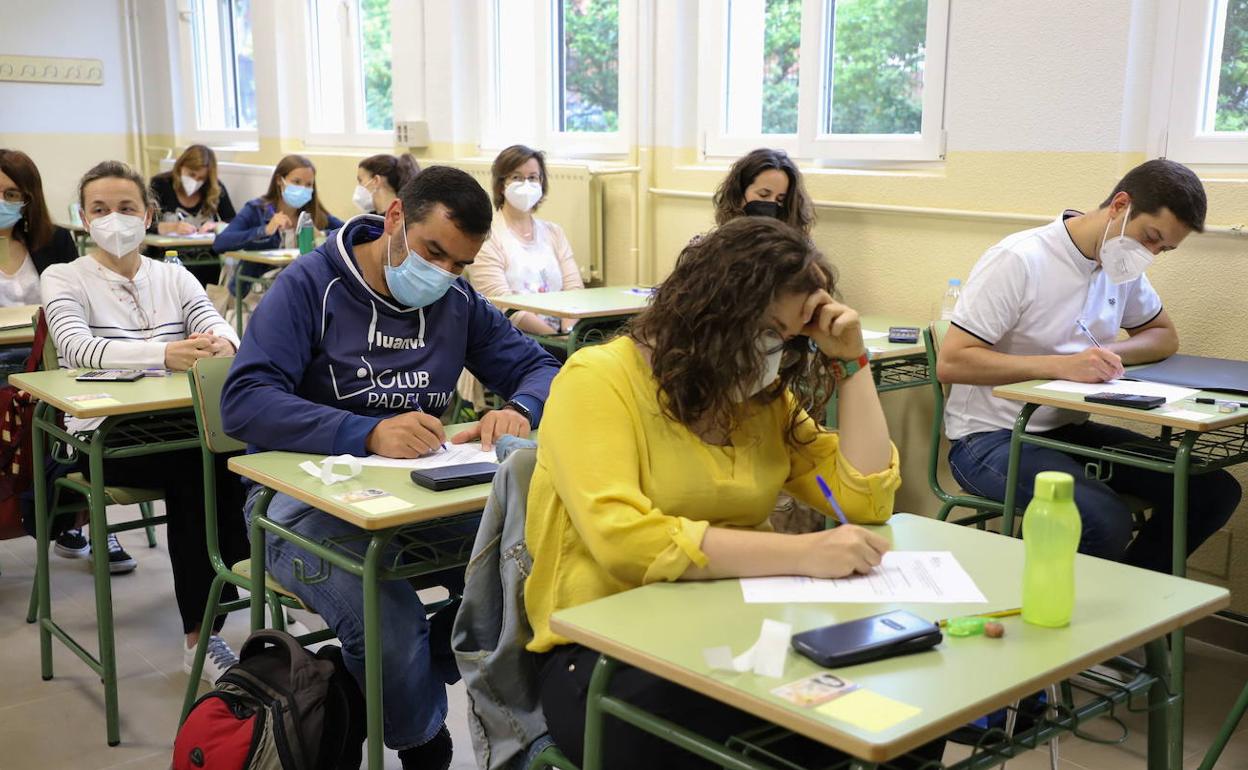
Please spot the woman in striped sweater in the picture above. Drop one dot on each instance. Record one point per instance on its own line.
(116, 309)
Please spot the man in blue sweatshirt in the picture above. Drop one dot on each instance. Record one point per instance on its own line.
(356, 349)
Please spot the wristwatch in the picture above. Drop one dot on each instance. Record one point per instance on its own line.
(843, 369)
(516, 406)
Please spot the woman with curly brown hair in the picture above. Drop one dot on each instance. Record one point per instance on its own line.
(765, 183)
(663, 451)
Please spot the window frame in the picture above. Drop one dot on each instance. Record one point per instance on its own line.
(537, 123)
(808, 143)
(355, 131)
(189, 101)
(1189, 37)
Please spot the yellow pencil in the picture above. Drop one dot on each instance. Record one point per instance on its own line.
(997, 614)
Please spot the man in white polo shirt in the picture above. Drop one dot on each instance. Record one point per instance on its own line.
(1038, 305)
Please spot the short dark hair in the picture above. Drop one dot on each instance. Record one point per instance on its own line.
(463, 196)
(508, 161)
(1157, 184)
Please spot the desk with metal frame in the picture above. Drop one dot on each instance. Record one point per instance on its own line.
(151, 416)
(418, 537)
(1184, 447)
(1117, 609)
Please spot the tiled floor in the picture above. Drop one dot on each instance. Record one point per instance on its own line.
(60, 723)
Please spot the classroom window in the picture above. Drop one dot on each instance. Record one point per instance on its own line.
(225, 85)
(554, 73)
(1208, 119)
(349, 62)
(824, 79)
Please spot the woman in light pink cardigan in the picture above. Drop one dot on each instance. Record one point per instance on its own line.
(524, 254)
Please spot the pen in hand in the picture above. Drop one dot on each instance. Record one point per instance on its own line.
(1084, 328)
(831, 498)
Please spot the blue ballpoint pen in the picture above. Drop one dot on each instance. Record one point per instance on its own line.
(827, 492)
(419, 409)
(1084, 328)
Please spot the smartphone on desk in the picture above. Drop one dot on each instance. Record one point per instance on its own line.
(455, 476)
(1129, 400)
(859, 641)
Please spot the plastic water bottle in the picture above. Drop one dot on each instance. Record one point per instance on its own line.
(171, 256)
(304, 233)
(950, 300)
(1051, 530)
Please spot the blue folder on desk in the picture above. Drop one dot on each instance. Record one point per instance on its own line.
(1196, 372)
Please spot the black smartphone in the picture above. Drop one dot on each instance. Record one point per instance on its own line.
(859, 641)
(1129, 400)
(455, 476)
(903, 334)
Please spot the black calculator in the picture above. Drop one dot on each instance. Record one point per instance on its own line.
(906, 335)
(111, 375)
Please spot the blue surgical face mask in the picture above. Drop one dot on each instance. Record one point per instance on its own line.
(10, 214)
(296, 196)
(416, 282)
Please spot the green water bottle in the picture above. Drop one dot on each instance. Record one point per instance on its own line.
(304, 233)
(1051, 530)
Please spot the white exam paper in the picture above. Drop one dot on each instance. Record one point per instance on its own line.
(933, 577)
(868, 334)
(1170, 393)
(454, 454)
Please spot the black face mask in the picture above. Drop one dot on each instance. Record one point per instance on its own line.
(763, 209)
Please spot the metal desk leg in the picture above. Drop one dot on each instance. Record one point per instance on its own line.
(604, 669)
(1011, 475)
(1165, 748)
(1178, 638)
(372, 649)
(238, 299)
(257, 559)
(43, 537)
(103, 587)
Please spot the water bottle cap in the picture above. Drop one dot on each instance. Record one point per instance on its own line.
(1055, 485)
(171, 253)
(955, 281)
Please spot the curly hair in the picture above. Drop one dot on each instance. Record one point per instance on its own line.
(729, 199)
(702, 323)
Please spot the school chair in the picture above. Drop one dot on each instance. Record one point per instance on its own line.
(77, 483)
(985, 508)
(207, 380)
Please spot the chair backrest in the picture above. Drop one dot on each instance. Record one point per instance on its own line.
(933, 336)
(75, 214)
(51, 360)
(207, 381)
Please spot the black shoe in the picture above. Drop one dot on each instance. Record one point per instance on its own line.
(435, 754)
(72, 545)
(119, 562)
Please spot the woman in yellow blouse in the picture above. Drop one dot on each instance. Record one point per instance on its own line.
(663, 451)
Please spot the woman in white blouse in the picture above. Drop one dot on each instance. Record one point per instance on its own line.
(116, 308)
(524, 254)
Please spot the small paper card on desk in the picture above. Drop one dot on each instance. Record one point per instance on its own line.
(815, 690)
(372, 501)
(92, 400)
(869, 710)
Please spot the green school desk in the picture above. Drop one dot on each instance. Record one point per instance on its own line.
(1118, 608)
(82, 238)
(141, 418)
(599, 312)
(192, 252)
(1184, 447)
(404, 543)
(895, 366)
(271, 258)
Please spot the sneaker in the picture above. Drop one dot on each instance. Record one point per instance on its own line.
(217, 659)
(72, 544)
(119, 562)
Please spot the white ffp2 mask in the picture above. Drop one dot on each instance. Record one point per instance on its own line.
(190, 184)
(1123, 258)
(117, 233)
(523, 195)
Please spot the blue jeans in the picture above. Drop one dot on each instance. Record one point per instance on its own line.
(416, 665)
(979, 463)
